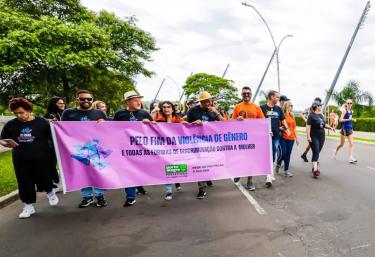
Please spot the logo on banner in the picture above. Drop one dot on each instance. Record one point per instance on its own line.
(92, 154)
(176, 170)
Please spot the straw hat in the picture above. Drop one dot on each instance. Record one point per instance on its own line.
(204, 95)
(131, 94)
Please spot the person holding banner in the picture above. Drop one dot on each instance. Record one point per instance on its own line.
(273, 111)
(247, 110)
(133, 113)
(168, 114)
(30, 140)
(84, 112)
(204, 112)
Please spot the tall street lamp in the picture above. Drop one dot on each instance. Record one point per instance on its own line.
(278, 60)
(273, 41)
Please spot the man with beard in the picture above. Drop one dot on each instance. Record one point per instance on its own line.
(84, 112)
(248, 110)
(133, 112)
(204, 112)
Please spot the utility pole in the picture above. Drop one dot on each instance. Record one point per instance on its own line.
(359, 25)
(225, 72)
(264, 74)
(159, 89)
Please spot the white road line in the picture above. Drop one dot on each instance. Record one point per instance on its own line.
(371, 168)
(251, 199)
(359, 247)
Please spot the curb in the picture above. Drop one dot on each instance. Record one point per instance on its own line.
(337, 139)
(9, 198)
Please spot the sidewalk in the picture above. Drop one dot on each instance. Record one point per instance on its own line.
(358, 135)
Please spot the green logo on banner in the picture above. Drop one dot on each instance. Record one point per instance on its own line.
(175, 169)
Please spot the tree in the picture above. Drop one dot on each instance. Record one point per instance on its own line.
(362, 100)
(55, 47)
(222, 89)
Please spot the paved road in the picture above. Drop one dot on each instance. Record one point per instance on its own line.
(331, 216)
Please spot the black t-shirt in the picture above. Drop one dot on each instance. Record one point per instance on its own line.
(317, 123)
(125, 115)
(77, 115)
(276, 115)
(197, 113)
(34, 139)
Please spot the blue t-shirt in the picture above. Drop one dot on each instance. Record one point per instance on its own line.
(276, 115)
(348, 125)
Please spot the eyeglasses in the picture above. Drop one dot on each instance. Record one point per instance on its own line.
(82, 99)
(60, 103)
(349, 103)
(167, 107)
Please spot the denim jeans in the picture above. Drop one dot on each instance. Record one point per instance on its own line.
(130, 193)
(287, 147)
(88, 192)
(168, 189)
(275, 145)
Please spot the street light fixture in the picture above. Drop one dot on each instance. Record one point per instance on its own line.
(274, 44)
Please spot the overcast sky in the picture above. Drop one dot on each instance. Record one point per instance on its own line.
(206, 35)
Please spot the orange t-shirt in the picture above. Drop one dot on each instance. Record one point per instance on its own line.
(160, 118)
(252, 111)
(290, 120)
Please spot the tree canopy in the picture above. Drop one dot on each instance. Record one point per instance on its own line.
(222, 89)
(54, 47)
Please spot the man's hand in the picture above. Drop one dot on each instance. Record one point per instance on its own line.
(240, 118)
(197, 122)
(146, 121)
(101, 120)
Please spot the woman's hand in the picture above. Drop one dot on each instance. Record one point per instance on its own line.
(309, 139)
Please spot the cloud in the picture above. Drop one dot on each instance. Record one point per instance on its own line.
(204, 36)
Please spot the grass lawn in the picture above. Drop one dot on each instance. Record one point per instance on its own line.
(8, 182)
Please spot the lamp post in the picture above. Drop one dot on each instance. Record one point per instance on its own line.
(276, 51)
(278, 61)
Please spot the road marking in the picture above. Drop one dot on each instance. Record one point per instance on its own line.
(359, 247)
(251, 199)
(371, 169)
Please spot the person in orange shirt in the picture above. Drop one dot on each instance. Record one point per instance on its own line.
(168, 113)
(247, 110)
(287, 141)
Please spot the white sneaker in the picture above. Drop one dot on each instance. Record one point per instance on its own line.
(58, 189)
(335, 154)
(268, 181)
(52, 198)
(27, 211)
(352, 160)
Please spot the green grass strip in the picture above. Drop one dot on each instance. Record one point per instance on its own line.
(8, 182)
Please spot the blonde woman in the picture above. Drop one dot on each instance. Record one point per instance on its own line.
(287, 140)
(347, 120)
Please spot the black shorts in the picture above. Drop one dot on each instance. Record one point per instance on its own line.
(346, 132)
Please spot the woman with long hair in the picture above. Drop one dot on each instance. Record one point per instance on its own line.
(55, 107)
(287, 141)
(167, 113)
(347, 120)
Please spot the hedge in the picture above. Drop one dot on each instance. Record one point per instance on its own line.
(362, 124)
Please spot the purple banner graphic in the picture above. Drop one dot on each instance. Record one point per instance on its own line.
(115, 154)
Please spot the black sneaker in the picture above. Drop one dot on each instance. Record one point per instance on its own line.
(201, 194)
(141, 191)
(129, 202)
(101, 202)
(304, 158)
(209, 183)
(178, 186)
(86, 201)
(236, 180)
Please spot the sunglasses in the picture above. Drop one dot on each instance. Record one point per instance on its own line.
(245, 94)
(82, 99)
(349, 103)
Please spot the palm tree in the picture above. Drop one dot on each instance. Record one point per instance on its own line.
(361, 99)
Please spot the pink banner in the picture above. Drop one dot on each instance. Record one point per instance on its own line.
(116, 154)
